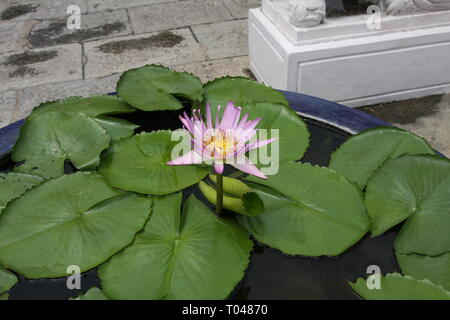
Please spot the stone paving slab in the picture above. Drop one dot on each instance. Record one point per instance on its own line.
(239, 8)
(428, 117)
(33, 96)
(209, 70)
(14, 35)
(7, 107)
(223, 39)
(168, 48)
(93, 27)
(37, 9)
(177, 14)
(40, 66)
(100, 5)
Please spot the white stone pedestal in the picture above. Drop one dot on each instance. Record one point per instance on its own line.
(345, 62)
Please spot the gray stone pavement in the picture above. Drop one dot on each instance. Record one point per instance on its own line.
(41, 60)
(428, 117)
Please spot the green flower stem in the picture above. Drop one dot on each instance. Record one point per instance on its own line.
(219, 190)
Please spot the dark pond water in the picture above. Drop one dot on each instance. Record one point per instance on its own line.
(271, 274)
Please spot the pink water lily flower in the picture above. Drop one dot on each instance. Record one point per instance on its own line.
(225, 141)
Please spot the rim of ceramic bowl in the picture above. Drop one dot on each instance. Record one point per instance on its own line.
(336, 115)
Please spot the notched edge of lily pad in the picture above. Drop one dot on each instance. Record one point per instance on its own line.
(3, 175)
(116, 148)
(175, 96)
(424, 284)
(358, 135)
(93, 164)
(201, 97)
(10, 280)
(119, 194)
(42, 105)
(207, 84)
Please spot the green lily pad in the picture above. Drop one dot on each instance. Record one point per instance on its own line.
(92, 107)
(313, 211)
(253, 204)
(139, 164)
(361, 155)
(195, 255)
(263, 102)
(46, 142)
(13, 185)
(154, 87)
(97, 108)
(436, 269)
(394, 286)
(7, 280)
(76, 219)
(92, 294)
(4, 296)
(416, 187)
(293, 135)
(241, 91)
(116, 128)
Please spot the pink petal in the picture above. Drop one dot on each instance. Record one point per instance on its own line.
(187, 123)
(251, 124)
(198, 119)
(259, 144)
(247, 134)
(208, 117)
(199, 129)
(242, 122)
(218, 167)
(216, 123)
(250, 168)
(198, 145)
(228, 116)
(236, 118)
(191, 157)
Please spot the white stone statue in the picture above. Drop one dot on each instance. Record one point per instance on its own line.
(310, 13)
(306, 13)
(399, 7)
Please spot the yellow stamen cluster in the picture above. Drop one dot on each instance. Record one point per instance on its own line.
(220, 142)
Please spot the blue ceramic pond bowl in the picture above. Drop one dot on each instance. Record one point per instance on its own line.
(347, 119)
(330, 124)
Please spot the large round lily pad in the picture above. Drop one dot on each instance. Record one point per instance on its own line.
(241, 91)
(195, 255)
(139, 164)
(436, 269)
(75, 219)
(46, 142)
(116, 128)
(7, 280)
(92, 107)
(416, 187)
(293, 135)
(314, 212)
(154, 87)
(361, 155)
(13, 185)
(92, 294)
(394, 286)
